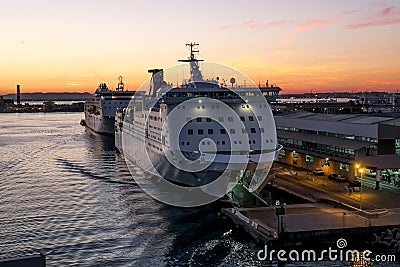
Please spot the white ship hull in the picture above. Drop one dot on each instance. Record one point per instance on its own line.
(100, 124)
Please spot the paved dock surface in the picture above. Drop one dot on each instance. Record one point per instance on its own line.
(320, 187)
(344, 212)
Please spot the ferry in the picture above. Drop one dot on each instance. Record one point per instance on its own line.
(193, 133)
(100, 110)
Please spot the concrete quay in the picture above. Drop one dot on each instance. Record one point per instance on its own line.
(329, 210)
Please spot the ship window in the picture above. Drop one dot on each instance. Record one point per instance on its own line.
(200, 131)
(267, 141)
(190, 132)
(203, 143)
(208, 119)
(202, 107)
(262, 130)
(235, 142)
(254, 141)
(198, 107)
(230, 119)
(251, 118)
(217, 142)
(222, 131)
(198, 119)
(259, 118)
(253, 130)
(210, 131)
(240, 141)
(242, 118)
(187, 143)
(223, 142)
(220, 119)
(247, 106)
(232, 131)
(183, 143)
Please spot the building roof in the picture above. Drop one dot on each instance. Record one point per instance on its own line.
(366, 119)
(326, 140)
(380, 161)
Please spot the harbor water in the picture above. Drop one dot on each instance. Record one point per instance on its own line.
(67, 193)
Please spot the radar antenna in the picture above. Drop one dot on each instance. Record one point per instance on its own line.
(195, 74)
(120, 86)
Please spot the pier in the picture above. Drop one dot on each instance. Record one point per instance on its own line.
(328, 210)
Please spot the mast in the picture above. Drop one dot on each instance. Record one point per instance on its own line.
(120, 84)
(195, 73)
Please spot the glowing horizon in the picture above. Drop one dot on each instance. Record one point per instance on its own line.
(300, 46)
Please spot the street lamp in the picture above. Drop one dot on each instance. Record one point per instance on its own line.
(361, 170)
(357, 166)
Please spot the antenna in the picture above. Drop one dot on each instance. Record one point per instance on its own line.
(194, 49)
(120, 86)
(195, 73)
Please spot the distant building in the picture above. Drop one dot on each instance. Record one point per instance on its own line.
(339, 143)
(5, 104)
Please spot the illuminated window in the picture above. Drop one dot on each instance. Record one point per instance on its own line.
(344, 167)
(309, 158)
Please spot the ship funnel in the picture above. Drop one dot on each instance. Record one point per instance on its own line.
(157, 80)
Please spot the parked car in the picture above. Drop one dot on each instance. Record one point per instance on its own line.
(355, 183)
(318, 171)
(336, 177)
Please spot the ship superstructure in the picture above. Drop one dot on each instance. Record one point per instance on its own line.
(101, 109)
(193, 133)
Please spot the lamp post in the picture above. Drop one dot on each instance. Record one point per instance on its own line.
(356, 170)
(361, 170)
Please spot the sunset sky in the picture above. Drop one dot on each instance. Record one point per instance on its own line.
(72, 46)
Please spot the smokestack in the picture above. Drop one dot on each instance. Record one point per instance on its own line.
(18, 95)
(156, 81)
(266, 83)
